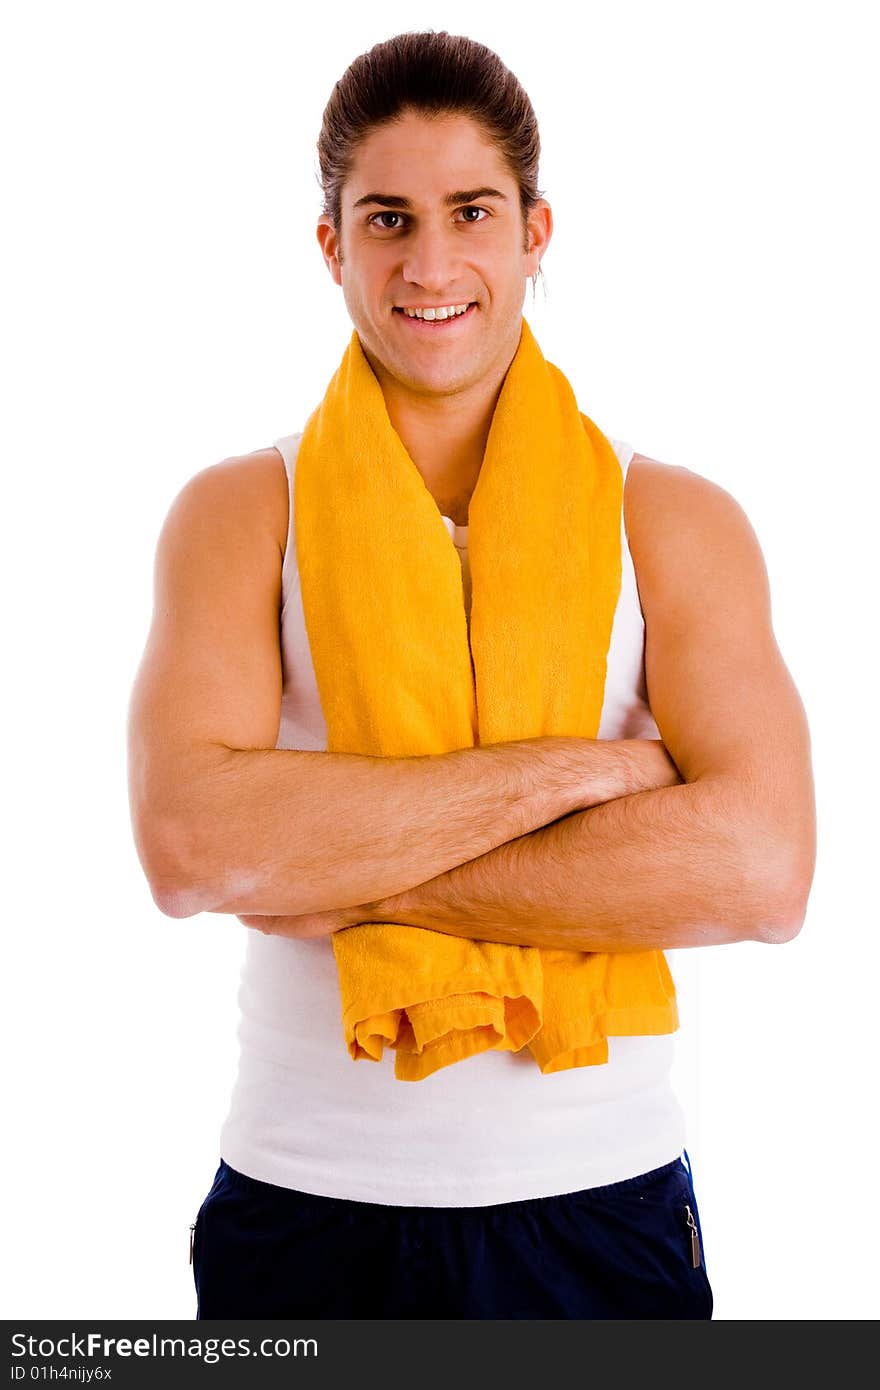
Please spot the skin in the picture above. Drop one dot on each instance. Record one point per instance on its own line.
(702, 837)
(440, 394)
(720, 693)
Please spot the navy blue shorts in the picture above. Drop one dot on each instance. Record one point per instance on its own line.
(633, 1249)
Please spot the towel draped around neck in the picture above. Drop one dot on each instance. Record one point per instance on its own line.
(399, 676)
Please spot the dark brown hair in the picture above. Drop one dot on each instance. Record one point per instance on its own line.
(434, 74)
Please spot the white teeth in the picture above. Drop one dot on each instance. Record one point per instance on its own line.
(446, 312)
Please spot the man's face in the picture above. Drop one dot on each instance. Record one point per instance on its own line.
(427, 252)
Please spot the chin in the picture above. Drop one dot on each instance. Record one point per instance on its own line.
(437, 375)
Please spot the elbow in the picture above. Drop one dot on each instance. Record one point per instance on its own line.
(175, 900)
(164, 850)
(776, 927)
(183, 883)
(781, 906)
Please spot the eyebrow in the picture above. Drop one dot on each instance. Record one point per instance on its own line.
(452, 200)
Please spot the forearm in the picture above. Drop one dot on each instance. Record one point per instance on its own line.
(289, 831)
(671, 867)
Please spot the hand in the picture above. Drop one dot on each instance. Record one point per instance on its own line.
(651, 765)
(308, 924)
(668, 774)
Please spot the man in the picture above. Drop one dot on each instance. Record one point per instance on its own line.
(490, 1189)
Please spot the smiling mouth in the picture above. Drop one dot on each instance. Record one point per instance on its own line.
(435, 325)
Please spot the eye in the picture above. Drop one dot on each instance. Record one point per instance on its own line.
(482, 214)
(385, 214)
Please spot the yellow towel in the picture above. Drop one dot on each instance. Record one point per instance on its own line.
(384, 609)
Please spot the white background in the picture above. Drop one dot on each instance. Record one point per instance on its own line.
(711, 293)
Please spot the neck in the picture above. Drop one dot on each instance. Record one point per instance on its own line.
(446, 440)
(445, 436)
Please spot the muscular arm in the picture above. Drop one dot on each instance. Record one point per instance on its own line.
(660, 869)
(225, 822)
(728, 855)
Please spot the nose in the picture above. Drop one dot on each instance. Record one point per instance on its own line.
(432, 259)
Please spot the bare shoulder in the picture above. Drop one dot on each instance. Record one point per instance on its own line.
(719, 690)
(250, 487)
(688, 533)
(651, 484)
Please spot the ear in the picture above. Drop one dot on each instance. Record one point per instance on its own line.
(329, 243)
(539, 229)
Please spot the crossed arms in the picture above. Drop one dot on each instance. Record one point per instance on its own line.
(703, 838)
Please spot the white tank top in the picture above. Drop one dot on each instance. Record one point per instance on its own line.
(492, 1128)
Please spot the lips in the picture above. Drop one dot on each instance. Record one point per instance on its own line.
(434, 325)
